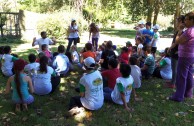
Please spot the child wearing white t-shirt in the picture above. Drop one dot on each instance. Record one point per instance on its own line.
(139, 42)
(123, 88)
(155, 39)
(91, 89)
(7, 62)
(33, 66)
(75, 55)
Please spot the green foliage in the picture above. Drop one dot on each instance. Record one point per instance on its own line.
(57, 24)
(170, 29)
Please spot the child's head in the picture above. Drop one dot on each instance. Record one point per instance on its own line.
(134, 49)
(128, 44)
(43, 64)
(148, 25)
(7, 49)
(73, 48)
(109, 45)
(1, 49)
(139, 40)
(101, 48)
(32, 58)
(19, 65)
(88, 47)
(43, 34)
(41, 54)
(133, 60)
(113, 63)
(89, 63)
(124, 50)
(166, 52)
(68, 54)
(146, 50)
(156, 27)
(162, 53)
(125, 70)
(44, 47)
(114, 47)
(61, 49)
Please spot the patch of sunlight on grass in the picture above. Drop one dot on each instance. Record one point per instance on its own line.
(63, 80)
(146, 93)
(62, 88)
(158, 85)
(82, 115)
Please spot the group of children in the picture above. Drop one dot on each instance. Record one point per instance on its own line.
(107, 75)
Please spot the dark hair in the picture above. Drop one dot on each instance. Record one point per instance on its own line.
(125, 70)
(109, 45)
(147, 48)
(41, 54)
(43, 47)
(102, 47)
(61, 49)
(113, 63)
(190, 15)
(166, 52)
(15, 55)
(93, 28)
(181, 18)
(55, 54)
(1, 49)
(68, 54)
(141, 39)
(124, 49)
(133, 60)
(43, 64)
(7, 49)
(149, 23)
(135, 48)
(88, 46)
(32, 58)
(73, 21)
(42, 33)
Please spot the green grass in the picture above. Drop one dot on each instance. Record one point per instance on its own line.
(119, 33)
(154, 110)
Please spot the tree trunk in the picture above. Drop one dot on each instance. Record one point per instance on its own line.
(176, 15)
(156, 11)
(150, 10)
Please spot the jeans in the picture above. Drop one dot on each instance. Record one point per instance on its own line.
(107, 94)
(71, 40)
(174, 63)
(184, 79)
(95, 43)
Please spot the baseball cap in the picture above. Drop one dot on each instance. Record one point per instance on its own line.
(88, 62)
(128, 42)
(73, 20)
(141, 22)
(156, 26)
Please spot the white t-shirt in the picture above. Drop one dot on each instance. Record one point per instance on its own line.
(60, 63)
(166, 71)
(127, 84)
(75, 57)
(7, 64)
(116, 53)
(42, 82)
(42, 41)
(96, 34)
(140, 46)
(98, 56)
(31, 68)
(73, 34)
(136, 74)
(94, 97)
(155, 39)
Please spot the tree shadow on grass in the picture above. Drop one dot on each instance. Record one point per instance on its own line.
(120, 33)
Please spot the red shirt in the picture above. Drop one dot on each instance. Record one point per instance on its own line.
(111, 75)
(89, 54)
(124, 58)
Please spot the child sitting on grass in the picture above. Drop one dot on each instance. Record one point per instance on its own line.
(124, 57)
(32, 66)
(123, 88)
(110, 75)
(20, 83)
(74, 54)
(91, 89)
(136, 74)
(46, 51)
(7, 62)
(99, 53)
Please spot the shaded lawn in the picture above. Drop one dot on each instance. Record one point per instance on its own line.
(50, 109)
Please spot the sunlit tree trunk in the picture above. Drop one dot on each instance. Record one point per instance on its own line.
(177, 14)
(157, 7)
(150, 10)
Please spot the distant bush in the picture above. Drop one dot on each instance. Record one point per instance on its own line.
(56, 25)
(170, 29)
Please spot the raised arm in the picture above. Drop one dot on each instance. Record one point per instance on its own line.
(8, 86)
(33, 42)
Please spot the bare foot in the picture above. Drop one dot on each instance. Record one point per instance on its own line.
(17, 108)
(25, 107)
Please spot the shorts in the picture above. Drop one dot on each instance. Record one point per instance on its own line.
(153, 50)
(29, 100)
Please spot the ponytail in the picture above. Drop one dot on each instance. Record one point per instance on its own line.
(43, 64)
(18, 83)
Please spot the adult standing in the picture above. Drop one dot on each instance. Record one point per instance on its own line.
(43, 40)
(73, 34)
(184, 80)
(174, 53)
(94, 30)
(148, 34)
